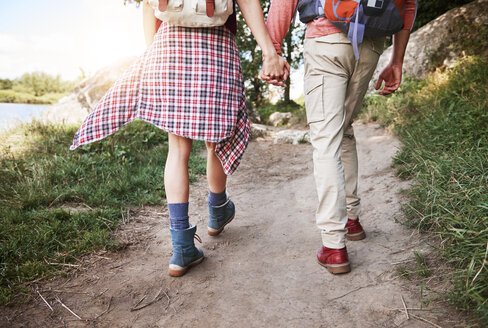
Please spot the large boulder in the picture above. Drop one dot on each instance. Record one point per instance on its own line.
(74, 107)
(280, 119)
(458, 32)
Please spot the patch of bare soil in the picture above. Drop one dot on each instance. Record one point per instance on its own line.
(262, 270)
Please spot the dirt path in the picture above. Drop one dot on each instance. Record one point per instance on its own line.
(262, 270)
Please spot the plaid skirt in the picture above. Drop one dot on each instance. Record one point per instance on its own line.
(188, 83)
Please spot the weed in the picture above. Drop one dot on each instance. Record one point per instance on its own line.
(126, 169)
(443, 124)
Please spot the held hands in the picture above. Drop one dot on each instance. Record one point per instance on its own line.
(392, 75)
(275, 70)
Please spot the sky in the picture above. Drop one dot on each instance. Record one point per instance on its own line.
(63, 37)
(67, 36)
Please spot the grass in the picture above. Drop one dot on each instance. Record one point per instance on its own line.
(443, 124)
(11, 96)
(294, 107)
(40, 179)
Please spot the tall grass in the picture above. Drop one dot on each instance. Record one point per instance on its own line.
(11, 96)
(41, 179)
(443, 125)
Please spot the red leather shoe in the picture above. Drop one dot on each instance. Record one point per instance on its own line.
(335, 260)
(354, 230)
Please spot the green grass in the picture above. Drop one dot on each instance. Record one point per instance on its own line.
(296, 108)
(11, 96)
(41, 178)
(443, 124)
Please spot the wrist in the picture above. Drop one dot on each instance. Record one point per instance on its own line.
(396, 63)
(269, 53)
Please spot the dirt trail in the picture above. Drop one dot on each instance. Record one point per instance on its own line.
(262, 270)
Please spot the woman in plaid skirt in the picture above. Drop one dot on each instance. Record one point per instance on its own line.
(189, 83)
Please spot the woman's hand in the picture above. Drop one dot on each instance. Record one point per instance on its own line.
(275, 70)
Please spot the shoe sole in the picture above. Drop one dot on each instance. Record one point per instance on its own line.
(336, 268)
(214, 233)
(179, 273)
(356, 236)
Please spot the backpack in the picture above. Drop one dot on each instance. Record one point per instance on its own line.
(193, 13)
(356, 18)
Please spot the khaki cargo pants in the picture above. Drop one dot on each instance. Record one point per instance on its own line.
(335, 85)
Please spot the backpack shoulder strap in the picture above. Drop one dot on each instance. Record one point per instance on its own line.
(210, 6)
(163, 4)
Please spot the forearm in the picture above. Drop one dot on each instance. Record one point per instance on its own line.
(400, 41)
(253, 14)
(279, 18)
(149, 21)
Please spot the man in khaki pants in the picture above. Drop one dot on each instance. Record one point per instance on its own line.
(335, 85)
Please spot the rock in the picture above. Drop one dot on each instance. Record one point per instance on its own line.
(280, 119)
(258, 131)
(92, 89)
(441, 42)
(67, 110)
(253, 114)
(292, 136)
(74, 107)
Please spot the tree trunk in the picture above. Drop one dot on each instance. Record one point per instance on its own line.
(288, 56)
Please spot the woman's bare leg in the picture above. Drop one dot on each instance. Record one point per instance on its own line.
(176, 178)
(216, 177)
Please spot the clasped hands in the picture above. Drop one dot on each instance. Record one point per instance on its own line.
(275, 70)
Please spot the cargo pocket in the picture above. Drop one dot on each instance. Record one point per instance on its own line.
(314, 99)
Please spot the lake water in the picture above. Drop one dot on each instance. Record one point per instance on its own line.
(13, 114)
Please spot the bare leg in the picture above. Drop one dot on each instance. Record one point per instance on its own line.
(176, 179)
(216, 177)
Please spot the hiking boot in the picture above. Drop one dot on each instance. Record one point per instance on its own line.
(335, 260)
(354, 230)
(220, 216)
(185, 254)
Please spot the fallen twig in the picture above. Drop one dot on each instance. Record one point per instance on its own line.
(140, 301)
(67, 308)
(169, 300)
(64, 264)
(352, 291)
(101, 293)
(157, 298)
(65, 291)
(405, 307)
(48, 305)
(119, 265)
(108, 308)
(425, 320)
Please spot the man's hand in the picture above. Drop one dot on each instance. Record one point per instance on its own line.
(392, 75)
(275, 70)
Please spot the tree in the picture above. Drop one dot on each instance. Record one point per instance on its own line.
(431, 9)
(251, 59)
(293, 52)
(39, 83)
(6, 84)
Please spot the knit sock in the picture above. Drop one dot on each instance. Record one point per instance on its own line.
(178, 216)
(217, 199)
